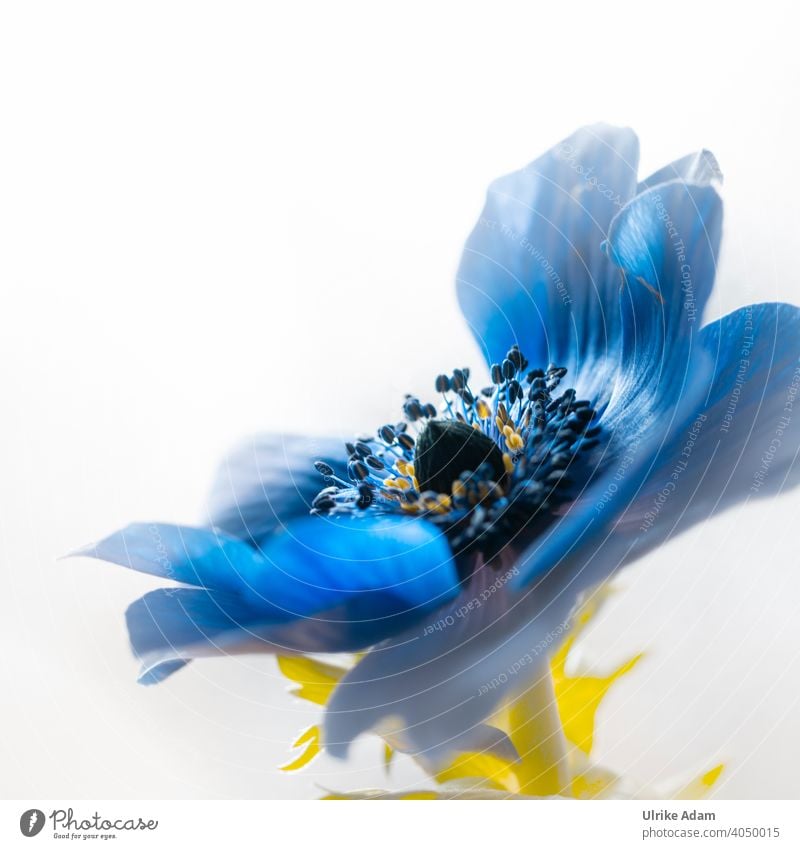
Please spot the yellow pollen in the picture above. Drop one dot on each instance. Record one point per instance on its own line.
(515, 442)
(508, 463)
(440, 505)
(482, 409)
(405, 468)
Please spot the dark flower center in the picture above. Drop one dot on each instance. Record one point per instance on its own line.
(446, 448)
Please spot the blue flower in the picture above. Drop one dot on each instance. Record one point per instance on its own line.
(453, 545)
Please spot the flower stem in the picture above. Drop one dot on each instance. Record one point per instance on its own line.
(537, 733)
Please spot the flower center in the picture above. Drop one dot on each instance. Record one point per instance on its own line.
(446, 448)
(485, 468)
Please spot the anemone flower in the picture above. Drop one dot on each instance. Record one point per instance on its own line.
(449, 549)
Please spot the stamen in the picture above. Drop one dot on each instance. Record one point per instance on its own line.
(504, 461)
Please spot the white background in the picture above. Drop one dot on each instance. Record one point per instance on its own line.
(220, 218)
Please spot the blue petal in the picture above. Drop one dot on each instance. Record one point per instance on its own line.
(319, 585)
(737, 438)
(668, 237)
(175, 617)
(701, 168)
(642, 429)
(269, 480)
(666, 243)
(197, 556)
(439, 680)
(159, 671)
(532, 272)
(375, 566)
(742, 442)
(370, 569)
(168, 627)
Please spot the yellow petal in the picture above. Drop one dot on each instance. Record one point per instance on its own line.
(310, 738)
(700, 787)
(593, 783)
(420, 795)
(316, 679)
(364, 795)
(579, 697)
(489, 769)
